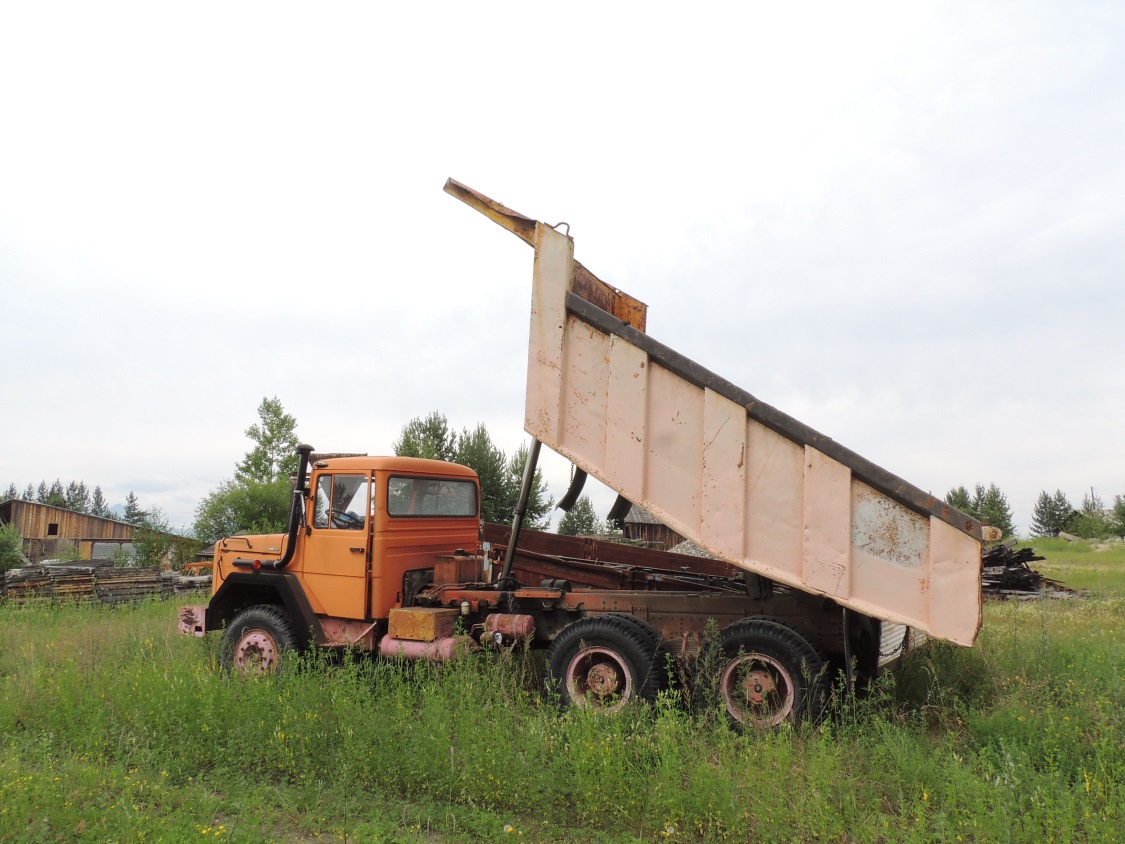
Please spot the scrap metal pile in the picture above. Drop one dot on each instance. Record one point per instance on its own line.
(1006, 573)
(93, 580)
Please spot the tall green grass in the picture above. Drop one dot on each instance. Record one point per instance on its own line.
(116, 728)
(1099, 567)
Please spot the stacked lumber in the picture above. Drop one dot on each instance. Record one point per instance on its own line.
(1006, 573)
(128, 584)
(181, 583)
(94, 580)
(27, 583)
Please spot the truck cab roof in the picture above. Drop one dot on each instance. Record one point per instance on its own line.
(411, 465)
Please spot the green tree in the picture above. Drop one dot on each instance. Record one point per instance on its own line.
(11, 493)
(98, 505)
(11, 548)
(258, 499)
(500, 476)
(476, 450)
(1117, 517)
(427, 437)
(994, 510)
(581, 520)
(539, 503)
(78, 497)
(959, 497)
(54, 495)
(29, 493)
(987, 504)
(1051, 514)
(1090, 521)
(275, 452)
(134, 515)
(243, 507)
(157, 545)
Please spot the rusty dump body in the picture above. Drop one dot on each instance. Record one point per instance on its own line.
(753, 486)
(822, 562)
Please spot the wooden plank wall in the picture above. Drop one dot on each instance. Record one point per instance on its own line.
(33, 521)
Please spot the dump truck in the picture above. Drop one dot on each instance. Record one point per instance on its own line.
(818, 562)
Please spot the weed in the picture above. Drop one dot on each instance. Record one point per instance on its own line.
(116, 728)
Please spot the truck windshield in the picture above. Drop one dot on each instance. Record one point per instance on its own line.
(431, 497)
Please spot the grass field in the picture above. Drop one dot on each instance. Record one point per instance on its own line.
(117, 729)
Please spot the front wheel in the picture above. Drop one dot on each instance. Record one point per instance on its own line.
(254, 642)
(769, 675)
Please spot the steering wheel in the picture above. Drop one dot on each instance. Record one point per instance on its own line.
(346, 520)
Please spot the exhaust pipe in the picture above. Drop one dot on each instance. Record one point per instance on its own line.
(296, 516)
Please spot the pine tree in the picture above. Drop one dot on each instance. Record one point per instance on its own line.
(134, 515)
(539, 504)
(992, 507)
(581, 520)
(41, 493)
(98, 506)
(29, 493)
(987, 504)
(1051, 514)
(500, 476)
(78, 497)
(1064, 512)
(56, 495)
(476, 450)
(11, 493)
(959, 498)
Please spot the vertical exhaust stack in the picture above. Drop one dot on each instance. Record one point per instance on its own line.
(296, 511)
(752, 485)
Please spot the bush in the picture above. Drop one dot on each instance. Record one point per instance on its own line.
(11, 548)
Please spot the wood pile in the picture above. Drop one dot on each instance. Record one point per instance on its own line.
(118, 585)
(94, 580)
(1006, 573)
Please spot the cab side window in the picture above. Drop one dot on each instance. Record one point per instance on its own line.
(341, 502)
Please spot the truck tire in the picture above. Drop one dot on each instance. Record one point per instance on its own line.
(768, 674)
(255, 641)
(605, 662)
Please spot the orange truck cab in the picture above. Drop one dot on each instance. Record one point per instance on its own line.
(364, 532)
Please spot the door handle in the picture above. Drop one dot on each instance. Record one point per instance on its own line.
(356, 550)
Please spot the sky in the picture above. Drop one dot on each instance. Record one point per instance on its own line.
(899, 223)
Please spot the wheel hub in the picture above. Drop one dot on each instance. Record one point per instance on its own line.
(256, 653)
(603, 680)
(597, 677)
(758, 686)
(757, 689)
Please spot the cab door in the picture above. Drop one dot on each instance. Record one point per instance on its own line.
(338, 544)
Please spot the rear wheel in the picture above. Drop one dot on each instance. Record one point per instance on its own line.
(255, 641)
(769, 674)
(605, 662)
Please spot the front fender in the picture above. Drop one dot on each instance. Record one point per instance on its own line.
(246, 589)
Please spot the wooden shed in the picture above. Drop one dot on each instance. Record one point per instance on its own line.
(48, 530)
(640, 526)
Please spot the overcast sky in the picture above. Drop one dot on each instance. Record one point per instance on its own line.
(901, 223)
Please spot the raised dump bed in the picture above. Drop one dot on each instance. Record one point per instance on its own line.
(752, 485)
